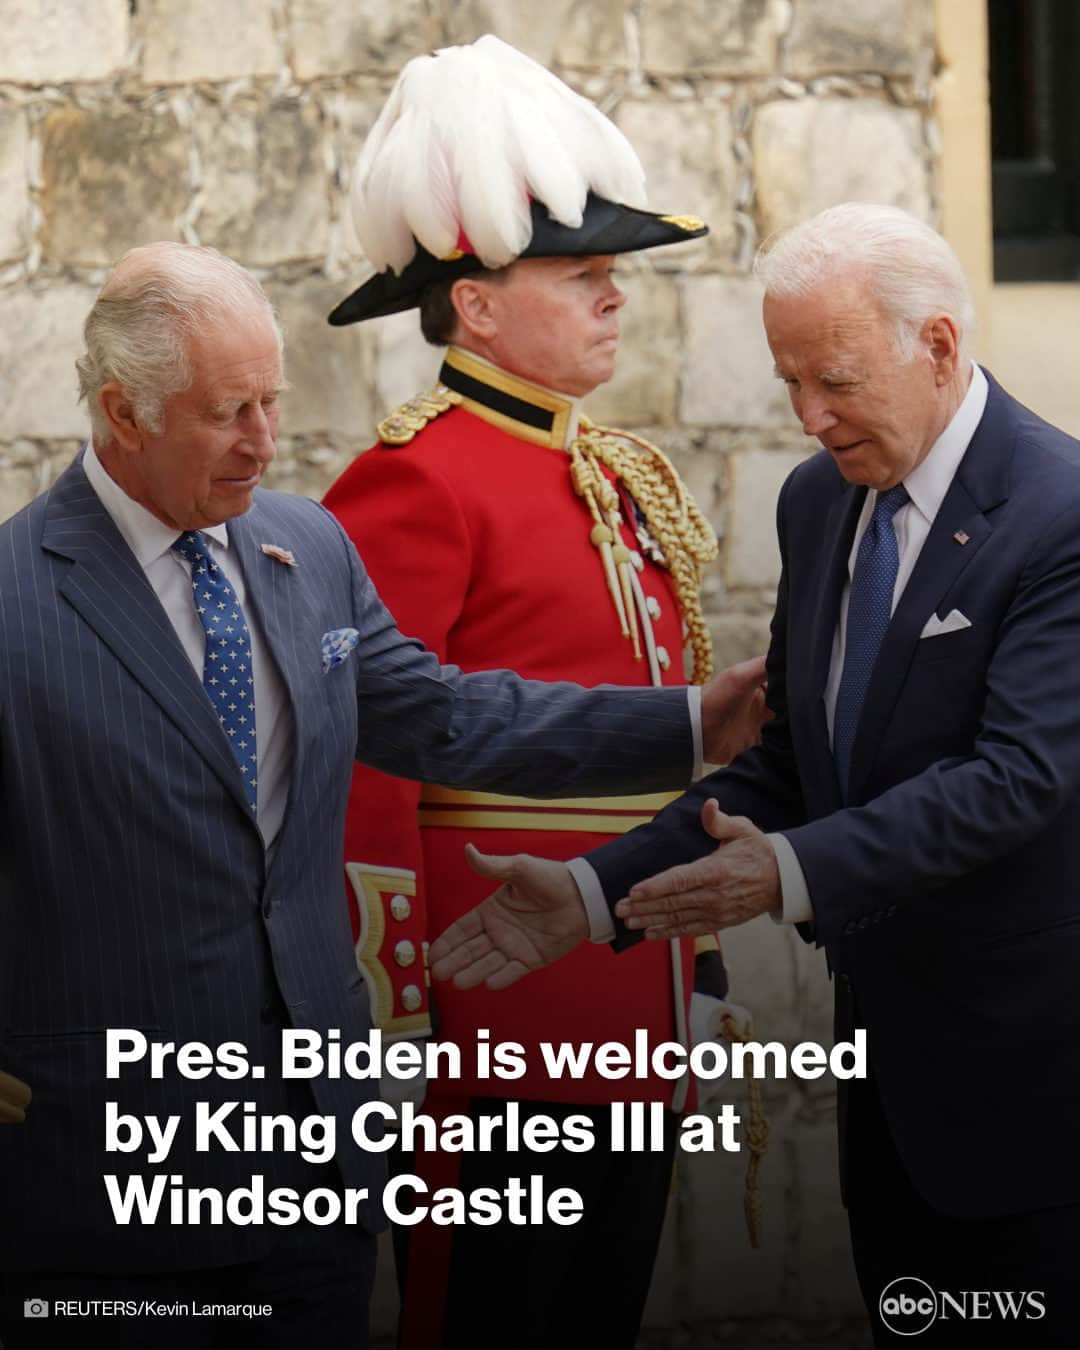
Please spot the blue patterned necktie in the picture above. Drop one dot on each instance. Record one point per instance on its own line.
(227, 669)
(869, 611)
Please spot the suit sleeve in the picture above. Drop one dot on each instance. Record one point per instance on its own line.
(496, 732)
(762, 783)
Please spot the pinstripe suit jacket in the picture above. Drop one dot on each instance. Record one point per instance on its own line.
(135, 890)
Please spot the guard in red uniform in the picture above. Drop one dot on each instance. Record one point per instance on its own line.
(502, 528)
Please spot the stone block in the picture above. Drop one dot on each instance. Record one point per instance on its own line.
(307, 466)
(265, 192)
(15, 199)
(39, 340)
(55, 41)
(769, 974)
(728, 379)
(707, 1272)
(186, 41)
(702, 473)
(822, 1281)
(711, 37)
(751, 556)
(688, 153)
(813, 153)
(111, 178)
(579, 33)
(340, 37)
(643, 391)
(18, 485)
(882, 37)
(707, 1269)
(404, 363)
(328, 369)
(737, 637)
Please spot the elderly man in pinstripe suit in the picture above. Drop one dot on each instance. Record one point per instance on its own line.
(188, 666)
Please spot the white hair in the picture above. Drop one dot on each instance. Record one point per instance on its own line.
(137, 332)
(910, 269)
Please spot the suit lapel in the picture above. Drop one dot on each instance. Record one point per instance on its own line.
(109, 590)
(981, 483)
(839, 531)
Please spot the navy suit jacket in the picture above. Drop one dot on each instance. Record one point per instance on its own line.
(135, 889)
(947, 891)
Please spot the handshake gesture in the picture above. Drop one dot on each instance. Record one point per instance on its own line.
(537, 915)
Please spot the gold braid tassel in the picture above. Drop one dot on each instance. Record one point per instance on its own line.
(757, 1139)
(671, 515)
(603, 535)
(621, 554)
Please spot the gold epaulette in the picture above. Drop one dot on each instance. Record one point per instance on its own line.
(404, 422)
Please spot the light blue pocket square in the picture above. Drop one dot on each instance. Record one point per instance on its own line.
(336, 646)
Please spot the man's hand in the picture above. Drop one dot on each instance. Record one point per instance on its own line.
(14, 1099)
(534, 917)
(731, 886)
(733, 710)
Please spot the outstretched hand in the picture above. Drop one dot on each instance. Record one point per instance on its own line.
(534, 917)
(14, 1099)
(733, 710)
(732, 885)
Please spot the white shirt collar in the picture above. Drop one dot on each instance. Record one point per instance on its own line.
(146, 536)
(930, 480)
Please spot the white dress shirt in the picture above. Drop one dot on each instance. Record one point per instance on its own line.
(151, 542)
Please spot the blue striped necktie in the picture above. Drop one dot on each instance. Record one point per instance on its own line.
(869, 611)
(228, 677)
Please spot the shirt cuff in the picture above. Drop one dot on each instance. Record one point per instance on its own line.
(795, 905)
(693, 698)
(601, 924)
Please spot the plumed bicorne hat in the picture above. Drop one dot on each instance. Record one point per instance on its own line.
(482, 156)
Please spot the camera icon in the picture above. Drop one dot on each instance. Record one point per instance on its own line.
(35, 1307)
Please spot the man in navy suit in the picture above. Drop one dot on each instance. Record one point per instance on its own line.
(916, 801)
(188, 667)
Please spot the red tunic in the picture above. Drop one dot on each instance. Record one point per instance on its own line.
(479, 545)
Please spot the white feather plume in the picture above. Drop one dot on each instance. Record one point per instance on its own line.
(466, 137)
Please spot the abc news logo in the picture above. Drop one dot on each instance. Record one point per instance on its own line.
(909, 1306)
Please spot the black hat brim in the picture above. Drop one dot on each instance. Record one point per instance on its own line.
(606, 227)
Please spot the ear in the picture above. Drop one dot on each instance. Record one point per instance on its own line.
(943, 343)
(472, 301)
(120, 415)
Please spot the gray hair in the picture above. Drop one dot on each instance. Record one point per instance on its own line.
(157, 297)
(912, 272)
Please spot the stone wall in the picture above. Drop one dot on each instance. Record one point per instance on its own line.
(236, 124)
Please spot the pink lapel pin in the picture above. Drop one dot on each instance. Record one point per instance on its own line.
(279, 554)
(961, 537)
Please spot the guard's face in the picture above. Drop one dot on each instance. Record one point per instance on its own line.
(556, 321)
(218, 435)
(876, 413)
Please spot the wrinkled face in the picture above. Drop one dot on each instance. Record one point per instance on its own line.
(876, 413)
(217, 436)
(556, 321)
